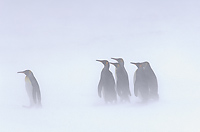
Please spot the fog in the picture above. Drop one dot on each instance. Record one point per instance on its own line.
(60, 41)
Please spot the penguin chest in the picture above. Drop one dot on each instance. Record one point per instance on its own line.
(29, 87)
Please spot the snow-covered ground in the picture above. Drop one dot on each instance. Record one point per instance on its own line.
(60, 41)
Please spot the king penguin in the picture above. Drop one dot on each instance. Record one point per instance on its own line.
(152, 80)
(122, 80)
(141, 89)
(32, 88)
(107, 83)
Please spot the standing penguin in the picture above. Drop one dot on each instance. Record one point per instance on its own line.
(151, 80)
(107, 83)
(122, 80)
(32, 88)
(141, 89)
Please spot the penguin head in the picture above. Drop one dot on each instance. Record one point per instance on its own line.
(115, 64)
(119, 60)
(105, 62)
(145, 65)
(26, 72)
(139, 65)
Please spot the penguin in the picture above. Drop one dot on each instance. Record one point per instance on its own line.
(32, 89)
(141, 89)
(152, 80)
(122, 80)
(106, 84)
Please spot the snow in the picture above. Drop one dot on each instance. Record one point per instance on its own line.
(122, 117)
(60, 41)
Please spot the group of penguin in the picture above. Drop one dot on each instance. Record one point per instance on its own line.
(145, 82)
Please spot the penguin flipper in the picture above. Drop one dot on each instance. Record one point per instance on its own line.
(38, 97)
(99, 92)
(100, 88)
(34, 95)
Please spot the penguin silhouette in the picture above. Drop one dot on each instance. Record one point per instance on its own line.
(122, 80)
(106, 84)
(141, 89)
(32, 88)
(151, 80)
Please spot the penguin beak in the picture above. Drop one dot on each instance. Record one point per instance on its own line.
(99, 60)
(114, 59)
(133, 63)
(112, 64)
(136, 64)
(21, 72)
(117, 59)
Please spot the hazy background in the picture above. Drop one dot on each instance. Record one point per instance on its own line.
(60, 41)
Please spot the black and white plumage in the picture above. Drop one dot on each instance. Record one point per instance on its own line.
(122, 80)
(106, 84)
(32, 89)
